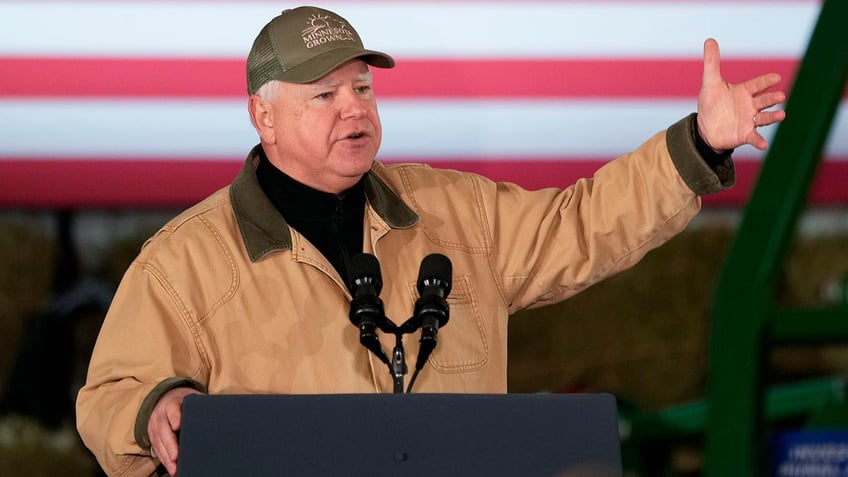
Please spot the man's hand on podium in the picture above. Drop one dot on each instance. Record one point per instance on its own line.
(165, 421)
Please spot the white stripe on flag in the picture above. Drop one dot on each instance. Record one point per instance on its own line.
(413, 129)
(416, 29)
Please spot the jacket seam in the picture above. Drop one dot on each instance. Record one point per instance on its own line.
(234, 276)
(404, 174)
(182, 309)
(487, 234)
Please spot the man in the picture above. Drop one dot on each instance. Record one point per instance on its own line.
(247, 292)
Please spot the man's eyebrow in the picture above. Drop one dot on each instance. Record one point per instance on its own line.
(367, 76)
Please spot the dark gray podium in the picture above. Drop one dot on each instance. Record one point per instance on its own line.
(562, 435)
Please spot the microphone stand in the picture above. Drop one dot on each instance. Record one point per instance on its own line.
(398, 367)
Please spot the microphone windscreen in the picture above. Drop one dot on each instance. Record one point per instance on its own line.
(435, 267)
(365, 267)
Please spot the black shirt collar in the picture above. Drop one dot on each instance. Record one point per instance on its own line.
(297, 202)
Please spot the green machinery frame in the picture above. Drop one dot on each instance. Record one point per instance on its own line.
(746, 319)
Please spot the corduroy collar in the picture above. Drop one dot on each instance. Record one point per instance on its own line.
(264, 230)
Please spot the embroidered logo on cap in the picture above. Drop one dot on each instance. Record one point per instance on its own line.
(324, 29)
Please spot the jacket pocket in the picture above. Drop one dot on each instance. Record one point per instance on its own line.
(462, 344)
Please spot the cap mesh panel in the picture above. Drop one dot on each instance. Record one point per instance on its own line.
(262, 65)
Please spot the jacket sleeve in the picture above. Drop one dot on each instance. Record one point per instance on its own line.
(134, 358)
(569, 239)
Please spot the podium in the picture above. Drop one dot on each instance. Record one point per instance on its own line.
(550, 435)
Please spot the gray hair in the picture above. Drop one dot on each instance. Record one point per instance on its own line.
(270, 90)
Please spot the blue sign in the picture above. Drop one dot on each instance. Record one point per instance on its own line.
(810, 454)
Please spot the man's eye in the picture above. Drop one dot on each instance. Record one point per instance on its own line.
(325, 96)
(364, 89)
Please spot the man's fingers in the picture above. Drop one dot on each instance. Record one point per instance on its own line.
(764, 118)
(757, 140)
(165, 421)
(166, 449)
(769, 99)
(761, 83)
(174, 412)
(712, 69)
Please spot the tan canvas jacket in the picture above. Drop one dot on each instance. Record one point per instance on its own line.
(228, 298)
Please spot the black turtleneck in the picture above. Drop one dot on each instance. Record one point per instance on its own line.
(333, 223)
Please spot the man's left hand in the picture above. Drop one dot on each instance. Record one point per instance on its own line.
(729, 114)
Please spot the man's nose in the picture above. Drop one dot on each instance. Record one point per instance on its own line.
(351, 105)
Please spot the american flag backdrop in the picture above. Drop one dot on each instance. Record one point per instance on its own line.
(110, 103)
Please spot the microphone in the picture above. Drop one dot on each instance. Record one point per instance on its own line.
(366, 307)
(431, 309)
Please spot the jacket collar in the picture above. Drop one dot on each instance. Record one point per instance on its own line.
(264, 230)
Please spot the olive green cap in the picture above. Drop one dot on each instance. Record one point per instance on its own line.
(302, 45)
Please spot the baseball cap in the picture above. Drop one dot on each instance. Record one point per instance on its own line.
(303, 44)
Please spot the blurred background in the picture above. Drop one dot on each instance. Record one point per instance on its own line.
(114, 116)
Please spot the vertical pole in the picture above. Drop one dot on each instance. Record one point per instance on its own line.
(745, 293)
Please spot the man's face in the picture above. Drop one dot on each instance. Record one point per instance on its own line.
(327, 133)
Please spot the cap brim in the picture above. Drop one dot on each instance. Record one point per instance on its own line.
(321, 65)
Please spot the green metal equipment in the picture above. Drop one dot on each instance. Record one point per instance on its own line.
(746, 320)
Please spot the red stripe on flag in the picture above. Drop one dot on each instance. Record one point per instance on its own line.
(467, 78)
(584, 78)
(80, 183)
(83, 183)
(72, 77)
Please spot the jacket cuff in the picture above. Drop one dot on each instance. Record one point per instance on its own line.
(146, 409)
(701, 176)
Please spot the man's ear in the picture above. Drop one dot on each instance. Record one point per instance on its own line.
(262, 117)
